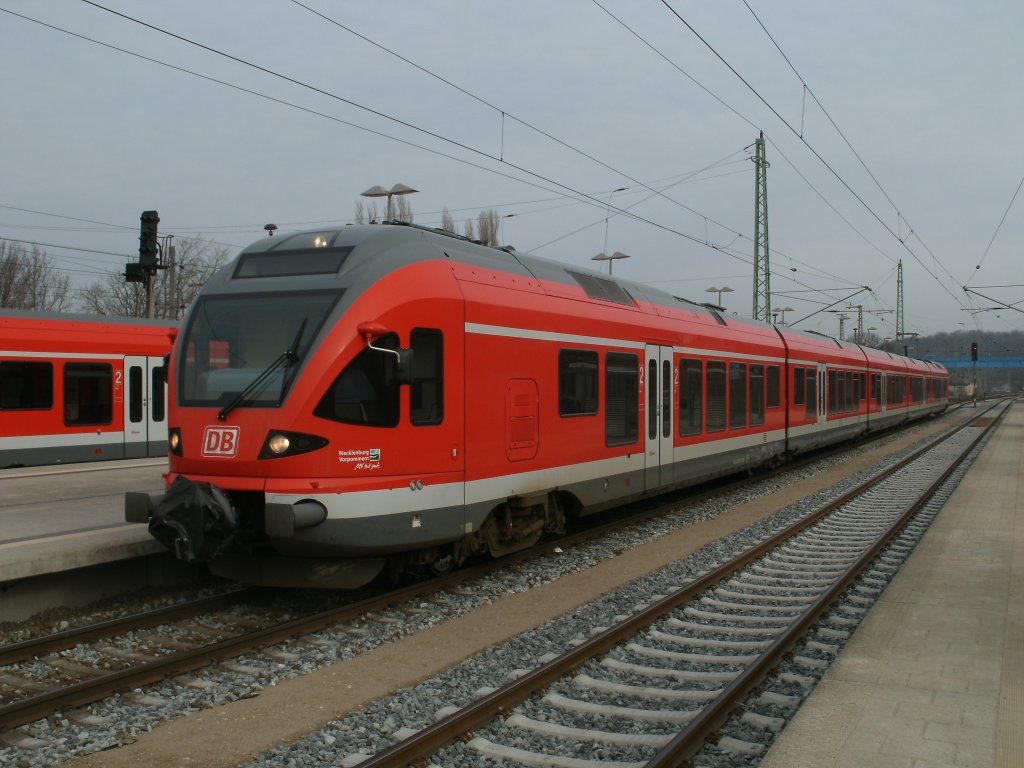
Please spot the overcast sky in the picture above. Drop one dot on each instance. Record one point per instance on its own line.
(927, 93)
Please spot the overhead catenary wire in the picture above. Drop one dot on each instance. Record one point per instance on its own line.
(999, 226)
(836, 174)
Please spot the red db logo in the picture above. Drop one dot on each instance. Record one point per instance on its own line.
(220, 442)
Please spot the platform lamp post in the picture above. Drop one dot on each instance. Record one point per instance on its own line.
(609, 259)
(719, 291)
(782, 314)
(379, 191)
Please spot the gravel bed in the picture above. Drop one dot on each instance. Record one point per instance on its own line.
(119, 719)
(346, 741)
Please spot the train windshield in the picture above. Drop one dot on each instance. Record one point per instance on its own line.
(244, 350)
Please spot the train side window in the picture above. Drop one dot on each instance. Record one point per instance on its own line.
(831, 393)
(812, 400)
(716, 396)
(666, 399)
(652, 399)
(427, 390)
(157, 396)
(691, 384)
(577, 382)
(737, 395)
(756, 395)
(773, 389)
(876, 388)
(366, 391)
(88, 393)
(799, 381)
(135, 394)
(622, 399)
(26, 386)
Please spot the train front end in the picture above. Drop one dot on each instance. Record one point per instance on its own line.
(305, 373)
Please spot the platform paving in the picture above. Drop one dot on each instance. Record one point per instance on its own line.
(935, 674)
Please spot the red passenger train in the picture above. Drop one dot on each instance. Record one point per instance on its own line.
(390, 395)
(81, 388)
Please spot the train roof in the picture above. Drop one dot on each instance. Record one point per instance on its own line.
(311, 257)
(28, 316)
(376, 249)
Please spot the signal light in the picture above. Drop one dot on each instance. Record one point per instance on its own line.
(134, 273)
(147, 240)
(974, 351)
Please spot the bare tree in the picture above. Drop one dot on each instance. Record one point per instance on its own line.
(196, 261)
(487, 222)
(468, 229)
(403, 210)
(29, 279)
(447, 222)
(366, 213)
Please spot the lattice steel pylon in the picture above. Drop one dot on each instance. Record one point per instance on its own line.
(762, 273)
(899, 301)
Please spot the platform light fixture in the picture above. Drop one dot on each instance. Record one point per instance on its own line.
(379, 191)
(719, 291)
(610, 259)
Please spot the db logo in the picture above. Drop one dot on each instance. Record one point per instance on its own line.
(220, 442)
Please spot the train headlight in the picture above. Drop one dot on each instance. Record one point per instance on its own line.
(174, 440)
(280, 443)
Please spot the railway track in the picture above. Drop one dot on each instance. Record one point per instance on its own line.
(74, 685)
(655, 687)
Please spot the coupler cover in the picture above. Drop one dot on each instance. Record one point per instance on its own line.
(196, 521)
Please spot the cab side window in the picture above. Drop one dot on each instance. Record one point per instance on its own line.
(427, 391)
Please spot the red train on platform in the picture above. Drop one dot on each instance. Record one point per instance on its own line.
(81, 388)
(390, 396)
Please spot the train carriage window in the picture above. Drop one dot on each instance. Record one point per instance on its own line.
(799, 381)
(666, 399)
(737, 395)
(772, 384)
(366, 392)
(691, 385)
(876, 388)
(88, 393)
(812, 399)
(26, 385)
(716, 396)
(652, 399)
(157, 395)
(135, 380)
(622, 398)
(756, 395)
(831, 394)
(849, 392)
(577, 382)
(427, 391)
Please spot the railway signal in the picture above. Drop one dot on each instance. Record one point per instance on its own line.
(148, 248)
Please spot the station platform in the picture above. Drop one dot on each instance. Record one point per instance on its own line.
(71, 518)
(934, 676)
(59, 518)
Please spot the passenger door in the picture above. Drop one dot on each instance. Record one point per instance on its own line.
(659, 383)
(145, 424)
(136, 401)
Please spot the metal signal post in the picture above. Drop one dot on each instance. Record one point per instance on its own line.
(149, 259)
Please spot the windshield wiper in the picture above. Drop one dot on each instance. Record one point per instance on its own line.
(286, 358)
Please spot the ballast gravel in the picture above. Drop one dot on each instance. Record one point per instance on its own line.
(122, 718)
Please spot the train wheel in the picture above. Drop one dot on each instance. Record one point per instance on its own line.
(442, 565)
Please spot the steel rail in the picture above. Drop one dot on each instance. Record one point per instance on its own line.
(484, 710)
(87, 691)
(26, 650)
(705, 725)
